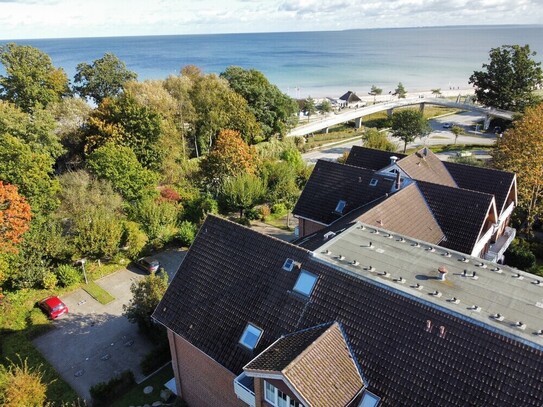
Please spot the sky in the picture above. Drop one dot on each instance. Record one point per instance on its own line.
(31, 19)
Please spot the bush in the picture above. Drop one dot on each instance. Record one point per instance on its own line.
(20, 385)
(156, 358)
(519, 255)
(134, 239)
(49, 281)
(279, 209)
(186, 233)
(196, 209)
(68, 275)
(252, 214)
(105, 392)
(264, 212)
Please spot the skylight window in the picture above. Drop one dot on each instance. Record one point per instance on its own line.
(340, 206)
(373, 182)
(369, 400)
(288, 265)
(250, 336)
(305, 283)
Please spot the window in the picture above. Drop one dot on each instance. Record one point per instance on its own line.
(340, 206)
(305, 283)
(277, 398)
(369, 400)
(250, 336)
(288, 265)
(373, 182)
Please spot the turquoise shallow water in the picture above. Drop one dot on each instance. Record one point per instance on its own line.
(311, 63)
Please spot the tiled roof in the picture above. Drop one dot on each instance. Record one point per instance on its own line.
(331, 182)
(232, 276)
(322, 350)
(424, 165)
(405, 212)
(350, 97)
(370, 158)
(460, 213)
(490, 181)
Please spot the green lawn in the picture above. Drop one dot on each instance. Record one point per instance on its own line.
(98, 293)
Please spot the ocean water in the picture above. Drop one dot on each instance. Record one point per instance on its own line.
(325, 63)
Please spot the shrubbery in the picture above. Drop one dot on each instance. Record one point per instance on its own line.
(103, 393)
(519, 255)
(156, 358)
(68, 275)
(186, 233)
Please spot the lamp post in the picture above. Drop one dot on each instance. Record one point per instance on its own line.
(82, 263)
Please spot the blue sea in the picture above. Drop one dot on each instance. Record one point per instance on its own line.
(323, 63)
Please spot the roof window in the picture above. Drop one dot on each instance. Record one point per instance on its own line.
(305, 283)
(373, 182)
(250, 336)
(340, 206)
(288, 265)
(369, 400)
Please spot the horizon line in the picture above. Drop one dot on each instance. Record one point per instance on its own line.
(271, 32)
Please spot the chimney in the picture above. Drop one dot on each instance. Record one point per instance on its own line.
(393, 159)
(442, 272)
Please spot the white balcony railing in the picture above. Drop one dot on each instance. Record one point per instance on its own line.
(244, 389)
(497, 249)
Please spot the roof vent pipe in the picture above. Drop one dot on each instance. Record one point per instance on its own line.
(393, 159)
(442, 272)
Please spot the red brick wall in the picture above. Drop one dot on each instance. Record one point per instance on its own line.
(202, 381)
(306, 227)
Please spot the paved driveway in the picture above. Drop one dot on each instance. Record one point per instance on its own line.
(94, 342)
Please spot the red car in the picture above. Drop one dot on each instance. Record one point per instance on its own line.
(53, 307)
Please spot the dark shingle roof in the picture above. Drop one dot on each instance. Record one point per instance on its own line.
(370, 158)
(323, 350)
(460, 213)
(350, 97)
(331, 182)
(424, 165)
(490, 181)
(232, 275)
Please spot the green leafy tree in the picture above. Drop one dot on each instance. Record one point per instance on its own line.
(436, 92)
(272, 108)
(520, 150)
(324, 107)
(120, 166)
(373, 138)
(408, 124)
(196, 209)
(158, 219)
(21, 386)
(309, 107)
(104, 78)
(31, 80)
(30, 171)
(280, 178)
(457, 131)
(125, 122)
(242, 192)
(146, 294)
(375, 91)
(230, 156)
(99, 233)
(134, 239)
(509, 79)
(400, 91)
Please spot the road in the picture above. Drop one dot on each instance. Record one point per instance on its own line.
(438, 136)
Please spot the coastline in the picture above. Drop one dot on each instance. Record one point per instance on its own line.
(388, 97)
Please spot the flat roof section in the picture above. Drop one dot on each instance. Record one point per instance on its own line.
(501, 298)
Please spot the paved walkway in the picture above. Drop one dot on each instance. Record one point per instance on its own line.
(275, 231)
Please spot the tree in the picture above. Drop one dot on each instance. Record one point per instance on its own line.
(436, 92)
(104, 78)
(457, 131)
(373, 138)
(14, 217)
(230, 156)
(375, 91)
(520, 150)
(509, 79)
(20, 385)
(309, 107)
(146, 294)
(272, 108)
(400, 91)
(158, 219)
(31, 79)
(120, 166)
(125, 122)
(408, 124)
(324, 107)
(30, 171)
(242, 192)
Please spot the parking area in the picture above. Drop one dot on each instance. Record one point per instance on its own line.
(94, 342)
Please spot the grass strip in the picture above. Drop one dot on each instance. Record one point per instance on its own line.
(98, 293)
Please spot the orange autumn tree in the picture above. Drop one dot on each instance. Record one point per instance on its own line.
(520, 150)
(14, 217)
(230, 156)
